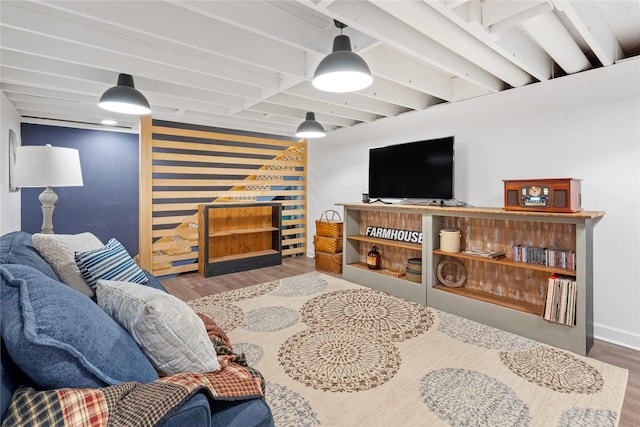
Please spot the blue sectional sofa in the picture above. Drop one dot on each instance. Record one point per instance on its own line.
(20, 260)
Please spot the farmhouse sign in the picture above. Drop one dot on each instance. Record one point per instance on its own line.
(394, 234)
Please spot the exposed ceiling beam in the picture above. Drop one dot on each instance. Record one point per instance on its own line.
(511, 43)
(588, 19)
(548, 31)
(442, 30)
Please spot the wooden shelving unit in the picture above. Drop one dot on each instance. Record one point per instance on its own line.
(238, 236)
(498, 292)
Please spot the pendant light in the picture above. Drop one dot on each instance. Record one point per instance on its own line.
(310, 128)
(342, 70)
(124, 98)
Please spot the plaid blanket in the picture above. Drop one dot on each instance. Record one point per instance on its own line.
(135, 404)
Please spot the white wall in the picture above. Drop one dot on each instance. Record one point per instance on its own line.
(9, 201)
(582, 126)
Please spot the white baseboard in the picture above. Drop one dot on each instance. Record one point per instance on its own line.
(617, 336)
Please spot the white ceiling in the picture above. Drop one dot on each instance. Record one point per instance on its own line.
(248, 65)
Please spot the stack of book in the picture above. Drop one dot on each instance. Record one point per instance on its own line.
(485, 254)
(560, 306)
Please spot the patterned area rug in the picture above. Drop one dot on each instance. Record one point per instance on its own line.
(338, 354)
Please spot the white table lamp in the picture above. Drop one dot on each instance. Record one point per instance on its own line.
(47, 166)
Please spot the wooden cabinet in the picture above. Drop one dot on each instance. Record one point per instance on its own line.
(238, 236)
(498, 292)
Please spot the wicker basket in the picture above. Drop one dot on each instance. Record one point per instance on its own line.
(331, 245)
(330, 263)
(329, 226)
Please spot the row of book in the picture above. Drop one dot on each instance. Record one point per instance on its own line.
(560, 306)
(545, 256)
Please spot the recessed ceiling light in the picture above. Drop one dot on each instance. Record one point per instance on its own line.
(109, 122)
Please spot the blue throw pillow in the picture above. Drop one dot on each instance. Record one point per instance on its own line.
(111, 262)
(61, 338)
(17, 248)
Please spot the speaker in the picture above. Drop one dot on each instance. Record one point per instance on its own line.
(512, 198)
(543, 195)
(560, 199)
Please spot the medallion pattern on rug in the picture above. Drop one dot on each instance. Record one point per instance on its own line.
(299, 286)
(339, 359)
(270, 319)
(252, 352)
(554, 369)
(480, 335)
(462, 397)
(588, 417)
(289, 409)
(394, 318)
(243, 293)
(227, 316)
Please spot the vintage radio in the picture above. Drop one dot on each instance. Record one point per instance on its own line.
(543, 195)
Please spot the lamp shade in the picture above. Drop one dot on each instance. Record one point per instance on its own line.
(342, 70)
(47, 166)
(124, 98)
(310, 128)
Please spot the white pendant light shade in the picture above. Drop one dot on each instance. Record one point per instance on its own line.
(124, 98)
(342, 70)
(310, 128)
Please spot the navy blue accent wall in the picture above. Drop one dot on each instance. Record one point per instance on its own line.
(107, 204)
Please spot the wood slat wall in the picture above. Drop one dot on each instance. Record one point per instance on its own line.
(181, 168)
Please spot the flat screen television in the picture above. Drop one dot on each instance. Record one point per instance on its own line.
(420, 170)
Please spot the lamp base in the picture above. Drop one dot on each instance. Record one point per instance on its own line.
(48, 198)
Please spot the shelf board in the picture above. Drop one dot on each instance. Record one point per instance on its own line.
(463, 210)
(494, 299)
(507, 262)
(364, 266)
(385, 242)
(242, 231)
(242, 256)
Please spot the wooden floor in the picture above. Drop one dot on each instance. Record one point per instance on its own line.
(191, 285)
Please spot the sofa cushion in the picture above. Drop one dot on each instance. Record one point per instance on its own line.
(8, 380)
(59, 250)
(153, 282)
(166, 328)
(255, 413)
(60, 338)
(17, 248)
(194, 412)
(110, 262)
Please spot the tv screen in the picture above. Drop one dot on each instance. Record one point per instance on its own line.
(414, 170)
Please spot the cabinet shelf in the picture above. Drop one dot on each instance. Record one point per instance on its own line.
(243, 256)
(508, 262)
(385, 242)
(495, 299)
(220, 233)
(364, 266)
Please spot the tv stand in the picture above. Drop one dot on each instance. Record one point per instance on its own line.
(503, 293)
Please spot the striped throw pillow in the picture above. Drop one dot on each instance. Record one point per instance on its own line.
(111, 262)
